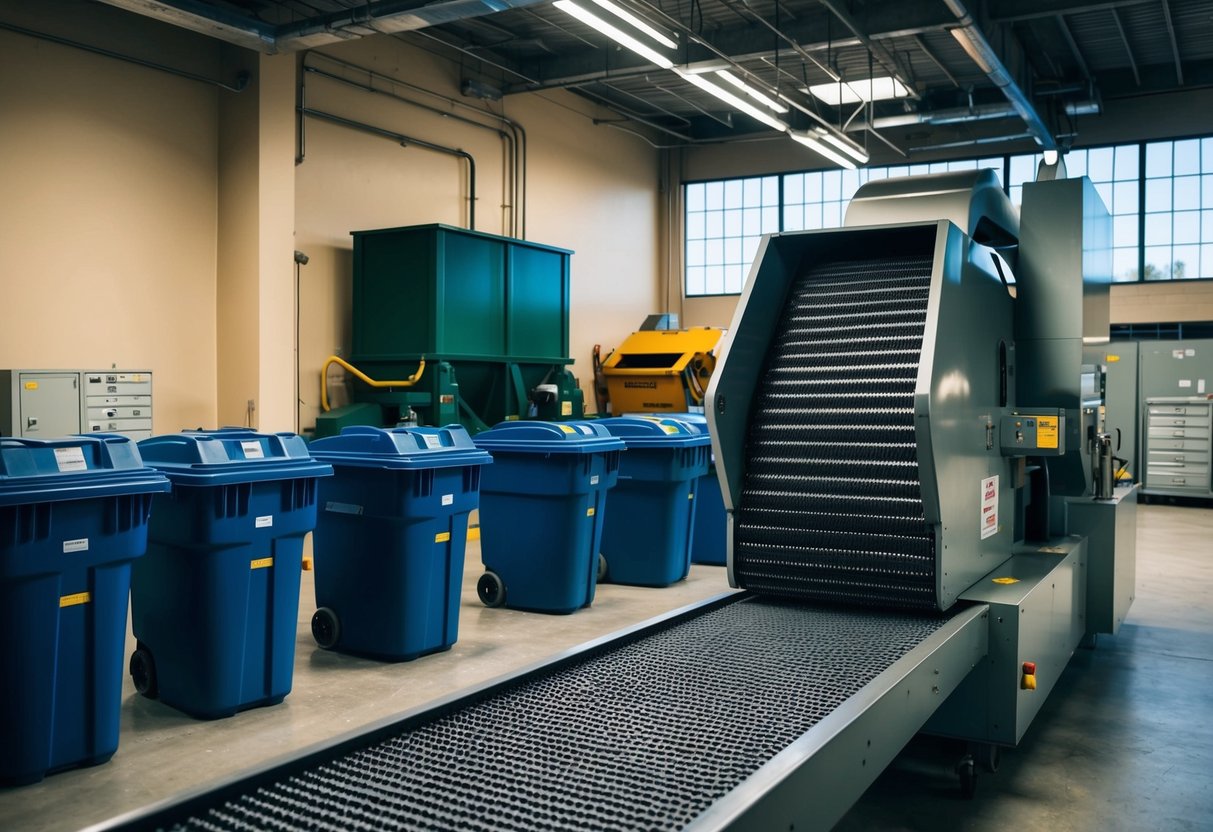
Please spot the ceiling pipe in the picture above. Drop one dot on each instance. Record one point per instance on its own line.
(973, 41)
(956, 115)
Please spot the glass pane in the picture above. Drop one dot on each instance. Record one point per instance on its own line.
(749, 249)
(1099, 164)
(1206, 155)
(831, 185)
(1158, 229)
(1104, 189)
(1016, 194)
(1124, 230)
(751, 192)
(734, 279)
(939, 167)
(695, 226)
(1206, 188)
(1126, 162)
(714, 280)
(770, 219)
(695, 197)
(793, 218)
(770, 191)
(696, 253)
(752, 221)
(1186, 227)
(883, 173)
(715, 196)
(918, 170)
(1158, 195)
(1124, 264)
(850, 183)
(715, 224)
(732, 250)
(1187, 193)
(732, 193)
(1206, 226)
(1124, 197)
(1076, 163)
(812, 216)
(1158, 263)
(1158, 159)
(899, 170)
(1185, 262)
(714, 253)
(812, 187)
(1187, 157)
(831, 215)
(695, 280)
(1206, 261)
(793, 188)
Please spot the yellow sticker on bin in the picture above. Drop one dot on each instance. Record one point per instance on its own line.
(260, 563)
(75, 599)
(442, 537)
(566, 428)
(1005, 580)
(31, 385)
(1046, 431)
(589, 512)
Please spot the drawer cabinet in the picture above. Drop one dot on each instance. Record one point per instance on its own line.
(1179, 446)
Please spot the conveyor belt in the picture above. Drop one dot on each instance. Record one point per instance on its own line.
(645, 732)
(831, 506)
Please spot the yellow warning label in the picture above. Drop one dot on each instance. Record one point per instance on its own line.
(1046, 431)
(566, 408)
(669, 429)
(442, 537)
(260, 563)
(1112, 359)
(1006, 580)
(75, 599)
(589, 512)
(566, 428)
(31, 385)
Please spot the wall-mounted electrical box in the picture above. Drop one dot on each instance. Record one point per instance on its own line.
(50, 403)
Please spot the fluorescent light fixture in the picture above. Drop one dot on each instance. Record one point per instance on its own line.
(624, 14)
(761, 98)
(622, 38)
(848, 147)
(881, 88)
(817, 147)
(732, 100)
(1051, 157)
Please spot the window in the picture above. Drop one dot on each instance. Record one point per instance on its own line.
(1160, 195)
(725, 221)
(1179, 209)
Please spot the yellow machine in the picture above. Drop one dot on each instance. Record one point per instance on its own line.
(656, 371)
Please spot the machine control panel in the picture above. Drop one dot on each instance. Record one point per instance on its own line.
(1033, 433)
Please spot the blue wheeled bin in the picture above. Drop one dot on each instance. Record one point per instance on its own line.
(73, 516)
(649, 528)
(542, 507)
(710, 543)
(215, 604)
(390, 539)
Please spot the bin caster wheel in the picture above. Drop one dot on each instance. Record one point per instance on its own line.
(966, 770)
(989, 755)
(602, 568)
(326, 629)
(490, 589)
(143, 672)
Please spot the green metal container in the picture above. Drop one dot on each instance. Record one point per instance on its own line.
(489, 314)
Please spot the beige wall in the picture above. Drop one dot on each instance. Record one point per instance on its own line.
(589, 188)
(108, 219)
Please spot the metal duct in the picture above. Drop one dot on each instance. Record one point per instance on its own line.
(973, 41)
(955, 115)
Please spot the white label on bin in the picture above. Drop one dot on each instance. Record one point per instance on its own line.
(448, 499)
(1185, 382)
(431, 440)
(265, 522)
(342, 508)
(566, 408)
(70, 459)
(80, 544)
(252, 449)
(594, 480)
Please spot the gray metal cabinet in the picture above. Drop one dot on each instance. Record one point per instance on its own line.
(118, 401)
(44, 404)
(1178, 434)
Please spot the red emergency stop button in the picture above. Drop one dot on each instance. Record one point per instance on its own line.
(1028, 680)
(1029, 668)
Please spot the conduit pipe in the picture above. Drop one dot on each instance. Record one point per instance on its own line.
(955, 115)
(406, 141)
(970, 37)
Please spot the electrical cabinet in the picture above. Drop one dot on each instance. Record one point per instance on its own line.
(1178, 433)
(51, 403)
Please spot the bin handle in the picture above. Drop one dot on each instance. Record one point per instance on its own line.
(361, 376)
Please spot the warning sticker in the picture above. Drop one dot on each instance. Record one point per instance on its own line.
(1046, 431)
(448, 499)
(566, 408)
(989, 507)
(589, 512)
(566, 428)
(1005, 580)
(264, 522)
(75, 599)
(594, 480)
(431, 440)
(260, 563)
(80, 544)
(31, 385)
(252, 449)
(442, 537)
(70, 459)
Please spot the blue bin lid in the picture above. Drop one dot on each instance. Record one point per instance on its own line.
(400, 448)
(73, 468)
(549, 438)
(656, 431)
(230, 455)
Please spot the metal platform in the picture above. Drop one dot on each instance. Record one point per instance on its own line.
(741, 712)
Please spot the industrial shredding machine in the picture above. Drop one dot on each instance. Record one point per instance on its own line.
(904, 429)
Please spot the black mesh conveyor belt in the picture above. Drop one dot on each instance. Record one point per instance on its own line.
(644, 733)
(831, 507)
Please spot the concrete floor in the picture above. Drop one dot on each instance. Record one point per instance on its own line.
(1123, 743)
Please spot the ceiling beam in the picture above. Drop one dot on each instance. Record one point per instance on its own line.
(926, 50)
(205, 19)
(1124, 38)
(1166, 14)
(1069, 36)
(743, 42)
(1012, 11)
